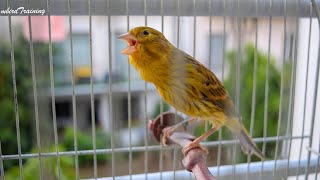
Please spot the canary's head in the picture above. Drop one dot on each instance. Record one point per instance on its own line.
(149, 52)
(143, 40)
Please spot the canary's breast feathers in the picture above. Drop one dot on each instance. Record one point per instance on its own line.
(180, 79)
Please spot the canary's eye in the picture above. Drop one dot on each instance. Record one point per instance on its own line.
(146, 32)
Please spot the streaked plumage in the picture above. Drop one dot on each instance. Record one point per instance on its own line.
(184, 82)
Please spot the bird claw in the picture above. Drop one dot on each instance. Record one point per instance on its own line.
(194, 145)
(166, 134)
(192, 120)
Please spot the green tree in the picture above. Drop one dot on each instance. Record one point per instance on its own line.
(8, 136)
(49, 168)
(84, 141)
(8, 133)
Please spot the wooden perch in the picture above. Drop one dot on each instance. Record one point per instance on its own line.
(195, 160)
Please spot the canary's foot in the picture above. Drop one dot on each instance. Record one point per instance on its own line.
(193, 145)
(169, 130)
(192, 120)
(167, 133)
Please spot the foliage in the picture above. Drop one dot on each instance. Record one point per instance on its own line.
(84, 142)
(49, 166)
(7, 116)
(246, 90)
(23, 79)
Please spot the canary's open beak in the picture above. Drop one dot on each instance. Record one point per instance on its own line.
(131, 41)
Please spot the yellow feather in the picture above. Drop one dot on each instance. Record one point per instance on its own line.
(185, 83)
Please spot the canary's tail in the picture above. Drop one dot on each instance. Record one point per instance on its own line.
(247, 145)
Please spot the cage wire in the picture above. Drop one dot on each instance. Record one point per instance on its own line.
(281, 32)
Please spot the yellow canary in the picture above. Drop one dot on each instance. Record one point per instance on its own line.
(185, 84)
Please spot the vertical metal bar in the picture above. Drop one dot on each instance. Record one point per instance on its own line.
(175, 152)
(292, 89)
(194, 29)
(161, 145)
(318, 161)
(238, 62)
(194, 40)
(254, 88)
(238, 84)
(316, 8)
(210, 41)
(53, 98)
(210, 46)
(305, 93)
(1, 164)
(178, 23)
(223, 44)
(194, 37)
(219, 152)
(110, 95)
(281, 88)
(206, 124)
(161, 103)
(35, 97)
(266, 97)
(15, 95)
(129, 99)
(174, 162)
(74, 110)
(93, 118)
(222, 76)
(146, 153)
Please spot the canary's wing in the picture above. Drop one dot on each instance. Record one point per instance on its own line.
(209, 89)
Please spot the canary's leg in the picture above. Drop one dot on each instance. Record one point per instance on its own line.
(196, 142)
(192, 120)
(169, 130)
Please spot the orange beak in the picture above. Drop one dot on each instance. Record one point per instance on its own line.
(132, 43)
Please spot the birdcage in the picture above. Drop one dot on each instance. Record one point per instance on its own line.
(78, 110)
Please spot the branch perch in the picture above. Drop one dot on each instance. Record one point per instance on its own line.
(194, 160)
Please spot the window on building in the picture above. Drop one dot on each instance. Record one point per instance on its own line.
(216, 53)
(81, 50)
(63, 113)
(81, 58)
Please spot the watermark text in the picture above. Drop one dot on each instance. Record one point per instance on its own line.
(22, 11)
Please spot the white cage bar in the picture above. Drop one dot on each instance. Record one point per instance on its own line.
(136, 7)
